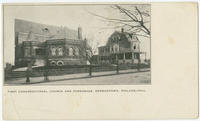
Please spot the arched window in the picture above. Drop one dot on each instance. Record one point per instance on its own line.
(60, 63)
(71, 51)
(111, 49)
(53, 63)
(53, 51)
(60, 51)
(134, 47)
(76, 51)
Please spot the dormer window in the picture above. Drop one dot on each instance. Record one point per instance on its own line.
(116, 47)
(45, 29)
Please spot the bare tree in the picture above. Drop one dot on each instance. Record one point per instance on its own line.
(134, 19)
(88, 50)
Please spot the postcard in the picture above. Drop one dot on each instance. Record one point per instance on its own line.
(100, 60)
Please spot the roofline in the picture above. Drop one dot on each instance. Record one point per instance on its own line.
(41, 23)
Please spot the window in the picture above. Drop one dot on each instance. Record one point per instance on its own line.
(76, 51)
(53, 51)
(136, 55)
(111, 49)
(53, 63)
(128, 55)
(71, 51)
(134, 47)
(116, 48)
(26, 52)
(60, 63)
(120, 56)
(60, 51)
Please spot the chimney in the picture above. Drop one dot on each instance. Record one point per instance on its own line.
(122, 30)
(79, 33)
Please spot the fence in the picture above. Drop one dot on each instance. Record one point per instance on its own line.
(70, 70)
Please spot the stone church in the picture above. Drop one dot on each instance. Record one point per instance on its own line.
(39, 43)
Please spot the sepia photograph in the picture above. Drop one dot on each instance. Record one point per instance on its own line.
(78, 45)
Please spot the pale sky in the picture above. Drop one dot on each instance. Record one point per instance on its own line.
(70, 16)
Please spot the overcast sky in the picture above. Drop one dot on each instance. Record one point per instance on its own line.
(70, 16)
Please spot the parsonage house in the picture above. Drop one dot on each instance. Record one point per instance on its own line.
(122, 47)
(39, 43)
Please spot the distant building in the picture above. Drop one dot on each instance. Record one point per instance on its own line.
(121, 46)
(37, 43)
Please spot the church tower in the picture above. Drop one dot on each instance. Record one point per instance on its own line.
(79, 33)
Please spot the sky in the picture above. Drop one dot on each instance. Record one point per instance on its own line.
(71, 16)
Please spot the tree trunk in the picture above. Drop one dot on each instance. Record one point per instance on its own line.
(27, 76)
(28, 71)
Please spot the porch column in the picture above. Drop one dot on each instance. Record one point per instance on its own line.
(116, 58)
(132, 57)
(139, 57)
(145, 56)
(100, 60)
(117, 63)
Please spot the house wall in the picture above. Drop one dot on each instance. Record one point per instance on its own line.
(121, 44)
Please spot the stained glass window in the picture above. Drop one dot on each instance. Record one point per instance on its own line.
(60, 51)
(53, 51)
(71, 52)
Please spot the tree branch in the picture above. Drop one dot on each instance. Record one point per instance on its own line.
(142, 35)
(139, 14)
(112, 19)
(127, 13)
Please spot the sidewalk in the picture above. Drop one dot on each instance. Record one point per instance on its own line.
(71, 77)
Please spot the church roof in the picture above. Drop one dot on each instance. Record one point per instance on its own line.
(43, 29)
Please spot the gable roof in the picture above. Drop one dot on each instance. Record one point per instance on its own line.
(121, 37)
(43, 29)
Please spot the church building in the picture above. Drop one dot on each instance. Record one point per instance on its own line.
(39, 43)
